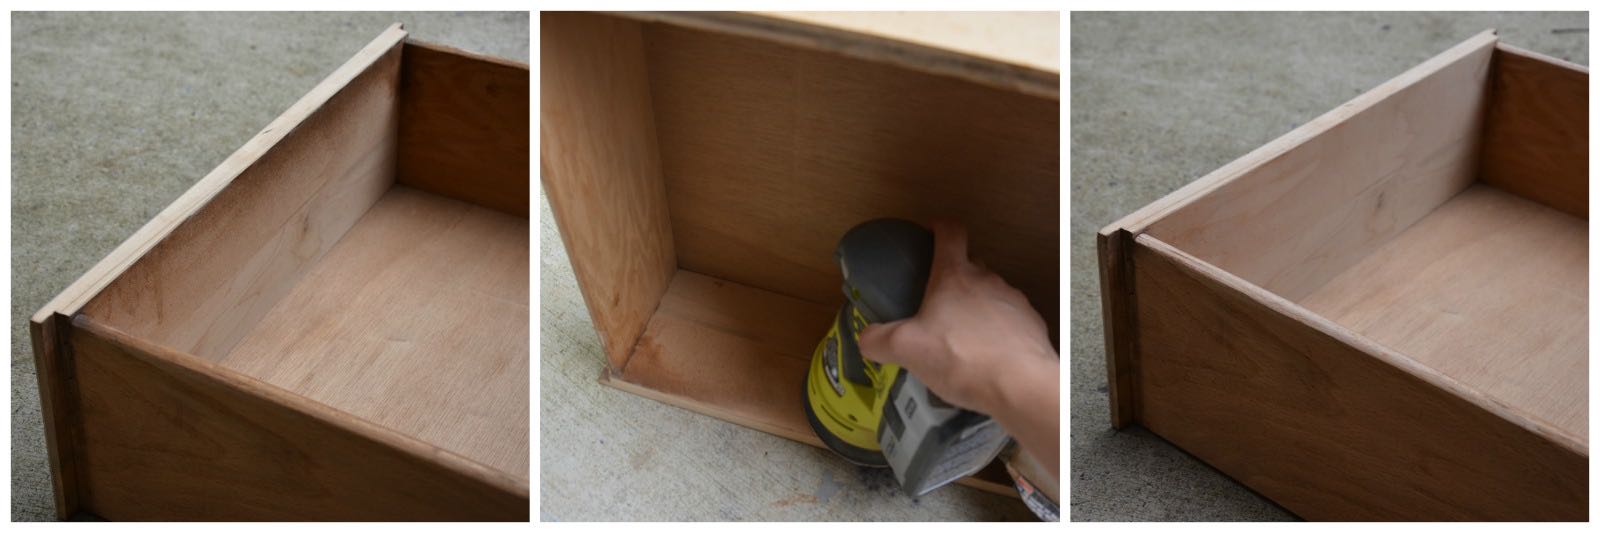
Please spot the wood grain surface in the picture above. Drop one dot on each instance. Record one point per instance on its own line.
(345, 95)
(602, 172)
(771, 152)
(740, 354)
(1326, 423)
(204, 285)
(464, 126)
(1012, 51)
(417, 321)
(169, 436)
(1536, 138)
(1294, 218)
(1491, 289)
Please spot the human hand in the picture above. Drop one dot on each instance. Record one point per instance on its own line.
(973, 335)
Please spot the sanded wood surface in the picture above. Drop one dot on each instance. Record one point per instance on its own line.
(351, 99)
(464, 126)
(1294, 218)
(418, 321)
(1492, 290)
(1536, 138)
(1016, 51)
(740, 354)
(770, 153)
(204, 285)
(601, 169)
(169, 436)
(1325, 422)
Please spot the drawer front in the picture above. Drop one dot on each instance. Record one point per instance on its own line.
(167, 436)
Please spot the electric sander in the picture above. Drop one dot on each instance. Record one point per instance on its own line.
(881, 415)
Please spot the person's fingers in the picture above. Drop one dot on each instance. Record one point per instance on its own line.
(949, 244)
(890, 342)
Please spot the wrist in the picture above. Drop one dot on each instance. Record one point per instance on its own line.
(1016, 389)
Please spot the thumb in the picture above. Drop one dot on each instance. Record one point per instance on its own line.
(887, 342)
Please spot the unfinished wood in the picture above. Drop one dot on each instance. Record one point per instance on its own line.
(53, 362)
(1536, 136)
(1025, 38)
(417, 321)
(602, 171)
(1326, 423)
(58, 402)
(212, 277)
(172, 436)
(1017, 52)
(740, 354)
(1491, 289)
(1116, 315)
(1294, 217)
(464, 126)
(771, 152)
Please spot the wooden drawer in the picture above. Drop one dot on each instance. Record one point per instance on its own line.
(701, 168)
(1382, 314)
(332, 324)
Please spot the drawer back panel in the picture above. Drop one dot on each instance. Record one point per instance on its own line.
(205, 285)
(464, 127)
(1290, 219)
(771, 152)
(1536, 136)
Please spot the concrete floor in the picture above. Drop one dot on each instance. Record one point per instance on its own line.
(115, 115)
(1159, 100)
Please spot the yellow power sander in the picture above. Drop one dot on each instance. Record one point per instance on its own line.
(881, 415)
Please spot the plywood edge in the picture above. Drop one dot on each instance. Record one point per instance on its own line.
(991, 71)
(1117, 320)
(1137, 222)
(467, 54)
(58, 407)
(504, 483)
(73, 298)
(990, 479)
(1552, 61)
(1278, 304)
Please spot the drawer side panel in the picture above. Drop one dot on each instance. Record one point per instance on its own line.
(207, 283)
(1320, 423)
(601, 170)
(169, 436)
(1290, 216)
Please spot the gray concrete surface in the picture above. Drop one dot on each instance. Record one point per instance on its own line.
(1159, 100)
(115, 115)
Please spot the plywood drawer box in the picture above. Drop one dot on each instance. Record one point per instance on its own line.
(701, 168)
(1382, 314)
(333, 324)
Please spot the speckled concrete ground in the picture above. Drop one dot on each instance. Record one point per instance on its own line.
(1159, 100)
(115, 115)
